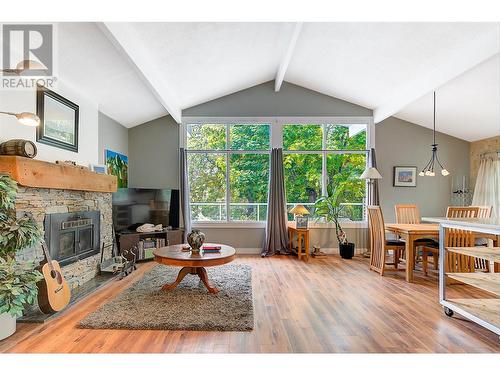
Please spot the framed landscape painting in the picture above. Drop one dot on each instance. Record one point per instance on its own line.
(405, 176)
(117, 165)
(58, 120)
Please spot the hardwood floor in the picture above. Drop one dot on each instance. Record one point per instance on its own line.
(326, 305)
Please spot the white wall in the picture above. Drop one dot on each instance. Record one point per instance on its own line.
(25, 101)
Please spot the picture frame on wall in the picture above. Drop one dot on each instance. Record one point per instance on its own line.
(59, 119)
(99, 168)
(117, 165)
(405, 176)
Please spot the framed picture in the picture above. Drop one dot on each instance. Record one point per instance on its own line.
(301, 222)
(405, 176)
(58, 120)
(117, 165)
(99, 168)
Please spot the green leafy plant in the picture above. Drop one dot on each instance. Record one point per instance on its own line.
(17, 234)
(17, 285)
(330, 207)
(17, 279)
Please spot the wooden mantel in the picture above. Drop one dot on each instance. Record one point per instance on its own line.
(42, 174)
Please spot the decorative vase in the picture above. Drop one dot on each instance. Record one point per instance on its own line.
(195, 239)
(7, 325)
(346, 250)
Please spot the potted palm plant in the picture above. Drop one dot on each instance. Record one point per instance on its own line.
(17, 278)
(330, 208)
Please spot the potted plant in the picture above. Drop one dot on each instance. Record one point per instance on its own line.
(17, 278)
(329, 208)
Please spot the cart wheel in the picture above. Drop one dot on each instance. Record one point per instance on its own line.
(448, 312)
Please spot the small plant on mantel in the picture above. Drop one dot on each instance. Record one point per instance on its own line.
(17, 278)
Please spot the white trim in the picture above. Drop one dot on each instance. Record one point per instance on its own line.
(313, 225)
(276, 124)
(326, 250)
(280, 75)
(229, 224)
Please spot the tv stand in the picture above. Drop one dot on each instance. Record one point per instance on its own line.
(130, 240)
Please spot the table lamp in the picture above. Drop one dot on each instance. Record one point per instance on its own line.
(298, 212)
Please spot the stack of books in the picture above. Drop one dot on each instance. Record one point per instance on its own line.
(211, 249)
(146, 246)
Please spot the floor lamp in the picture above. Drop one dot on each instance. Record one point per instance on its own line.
(370, 174)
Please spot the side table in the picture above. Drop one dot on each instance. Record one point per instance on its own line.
(302, 240)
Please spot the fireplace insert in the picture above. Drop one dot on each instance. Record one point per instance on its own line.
(72, 236)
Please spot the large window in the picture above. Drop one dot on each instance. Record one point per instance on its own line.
(228, 170)
(228, 166)
(323, 159)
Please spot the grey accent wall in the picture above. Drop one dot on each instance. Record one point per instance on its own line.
(401, 143)
(154, 154)
(262, 101)
(112, 136)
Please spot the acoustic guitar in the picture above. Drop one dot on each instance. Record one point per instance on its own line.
(53, 291)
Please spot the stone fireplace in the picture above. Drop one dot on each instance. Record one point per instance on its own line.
(83, 218)
(72, 236)
(73, 206)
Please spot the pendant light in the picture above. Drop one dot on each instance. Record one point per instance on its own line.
(429, 168)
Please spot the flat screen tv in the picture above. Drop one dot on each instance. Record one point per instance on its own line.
(135, 206)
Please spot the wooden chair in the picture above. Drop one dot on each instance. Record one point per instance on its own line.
(379, 245)
(484, 212)
(407, 214)
(459, 238)
(410, 214)
(462, 212)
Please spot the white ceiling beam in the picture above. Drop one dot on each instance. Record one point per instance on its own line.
(445, 69)
(280, 76)
(125, 40)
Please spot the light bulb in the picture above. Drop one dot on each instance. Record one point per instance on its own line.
(432, 174)
(444, 172)
(421, 174)
(428, 173)
(28, 119)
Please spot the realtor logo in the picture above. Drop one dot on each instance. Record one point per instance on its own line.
(27, 49)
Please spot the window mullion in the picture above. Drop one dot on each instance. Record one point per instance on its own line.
(324, 171)
(228, 192)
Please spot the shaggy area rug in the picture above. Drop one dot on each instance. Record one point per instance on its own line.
(188, 307)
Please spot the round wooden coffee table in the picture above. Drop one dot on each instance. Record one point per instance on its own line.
(193, 263)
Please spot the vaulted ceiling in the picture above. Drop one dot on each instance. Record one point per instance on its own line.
(141, 71)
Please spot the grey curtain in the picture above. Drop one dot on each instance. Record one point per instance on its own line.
(276, 240)
(184, 193)
(374, 194)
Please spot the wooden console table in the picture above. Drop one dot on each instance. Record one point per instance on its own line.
(302, 238)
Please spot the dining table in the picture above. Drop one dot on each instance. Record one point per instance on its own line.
(409, 233)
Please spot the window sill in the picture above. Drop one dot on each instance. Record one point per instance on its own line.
(262, 224)
(229, 224)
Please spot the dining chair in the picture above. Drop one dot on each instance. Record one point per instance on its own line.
(379, 244)
(410, 214)
(482, 264)
(462, 212)
(484, 212)
(407, 214)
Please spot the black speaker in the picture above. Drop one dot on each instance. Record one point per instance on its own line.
(174, 217)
